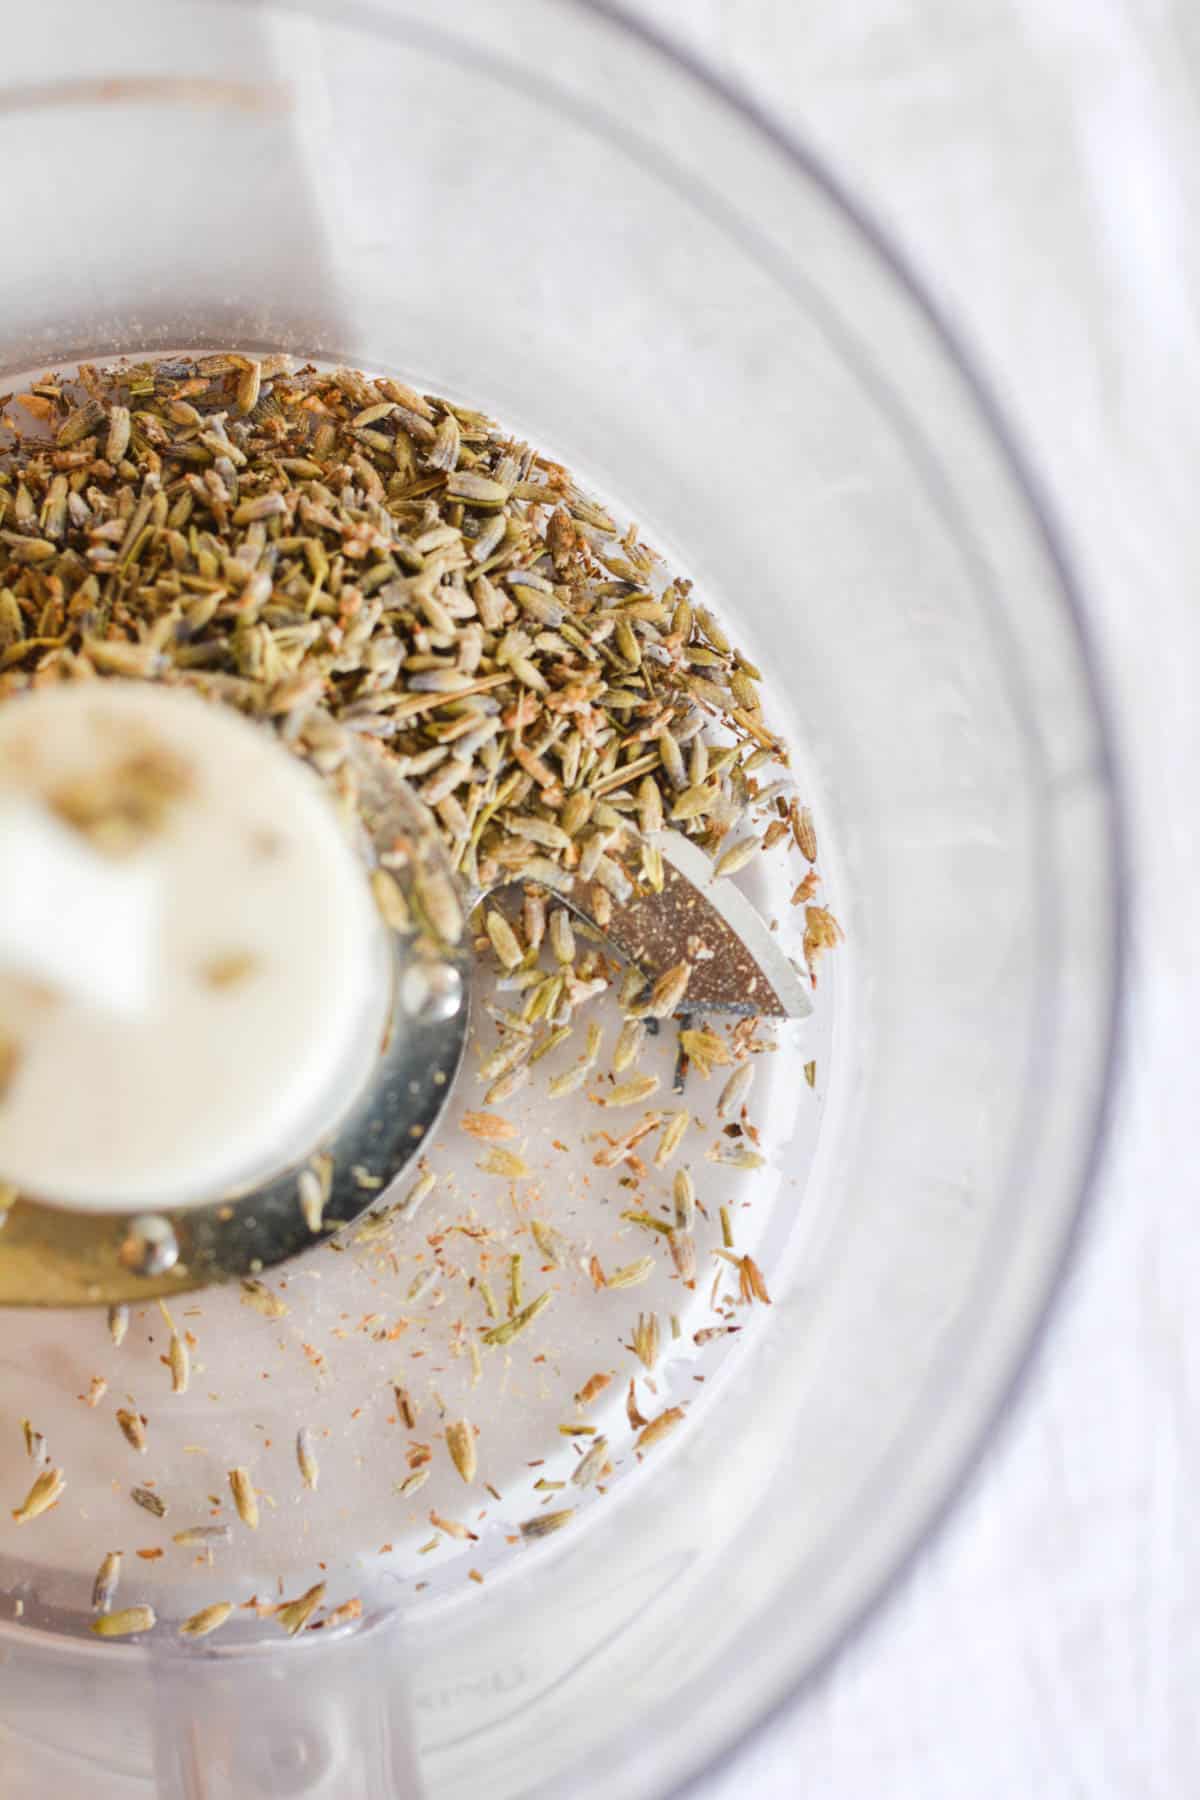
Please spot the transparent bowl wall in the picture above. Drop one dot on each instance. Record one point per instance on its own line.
(528, 207)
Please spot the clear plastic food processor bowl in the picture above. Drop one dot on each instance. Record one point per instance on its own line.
(534, 210)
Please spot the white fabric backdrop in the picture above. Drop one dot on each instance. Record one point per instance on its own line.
(1040, 160)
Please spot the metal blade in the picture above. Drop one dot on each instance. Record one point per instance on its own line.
(736, 964)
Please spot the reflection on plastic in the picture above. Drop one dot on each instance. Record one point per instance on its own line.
(316, 1719)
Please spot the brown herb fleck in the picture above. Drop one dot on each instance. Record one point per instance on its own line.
(543, 1524)
(632, 1274)
(35, 1443)
(592, 1464)
(511, 1328)
(46, 1492)
(207, 1620)
(179, 1363)
(629, 1093)
(306, 1460)
(453, 1528)
(592, 1388)
(203, 1537)
(659, 1428)
(258, 1295)
(646, 1339)
(341, 1615)
(804, 832)
(244, 1497)
(126, 1623)
(460, 1441)
(231, 969)
(750, 1281)
(672, 1137)
(507, 1163)
(821, 933)
(668, 991)
(489, 1128)
(705, 1050)
(295, 1614)
(133, 1427)
(104, 1587)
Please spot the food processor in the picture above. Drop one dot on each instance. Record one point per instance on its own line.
(537, 211)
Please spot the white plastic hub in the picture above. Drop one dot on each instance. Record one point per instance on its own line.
(193, 978)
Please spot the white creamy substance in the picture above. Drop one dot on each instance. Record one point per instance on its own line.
(186, 1014)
